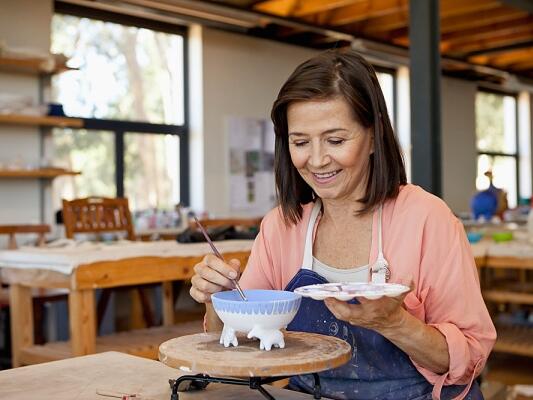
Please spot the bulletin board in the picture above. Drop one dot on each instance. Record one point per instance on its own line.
(251, 165)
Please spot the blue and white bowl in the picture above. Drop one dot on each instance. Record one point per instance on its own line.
(262, 316)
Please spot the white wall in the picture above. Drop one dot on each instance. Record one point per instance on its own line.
(24, 24)
(242, 77)
(459, 152)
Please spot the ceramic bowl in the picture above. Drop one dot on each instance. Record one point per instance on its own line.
(261, 316)
(499, 237)
(474, 237)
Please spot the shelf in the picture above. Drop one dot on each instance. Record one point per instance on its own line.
(514, 340)
(140, 342)
(509, 369)
(32, 66)
(501, 296)
(36, 173)
(44, 120)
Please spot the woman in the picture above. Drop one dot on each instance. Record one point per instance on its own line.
(347, 214)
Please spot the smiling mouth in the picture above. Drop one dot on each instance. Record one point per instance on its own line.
(326, 175)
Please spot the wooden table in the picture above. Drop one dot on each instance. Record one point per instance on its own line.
(81, 377)
(81, 283)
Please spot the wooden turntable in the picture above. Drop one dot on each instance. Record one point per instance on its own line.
(203, 355)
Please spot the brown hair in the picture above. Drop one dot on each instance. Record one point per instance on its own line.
(331, 74)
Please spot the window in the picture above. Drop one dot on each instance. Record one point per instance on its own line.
(152, 170)
(126, 72)
(396, 83)
(130, 91)
(386, 82)
(91, 152)
(496, 133)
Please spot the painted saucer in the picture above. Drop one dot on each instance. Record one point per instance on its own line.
(348, 290)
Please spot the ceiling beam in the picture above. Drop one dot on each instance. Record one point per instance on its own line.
(520, 64)
(501, 49)
(365, 9)
(310, 7)
(526, 5)
(480, 46)
(449, 9)
(477, 18)
(283, 8)
(505, 58)
(495, 29)
(466, 21)
(452, 41)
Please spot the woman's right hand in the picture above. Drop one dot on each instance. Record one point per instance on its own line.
(212, 275)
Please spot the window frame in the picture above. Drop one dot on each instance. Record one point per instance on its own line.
(120, 127)
(516, 155)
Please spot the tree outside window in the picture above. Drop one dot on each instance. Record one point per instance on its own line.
(126, 73)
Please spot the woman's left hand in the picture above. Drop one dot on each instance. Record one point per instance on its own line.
(380, 314)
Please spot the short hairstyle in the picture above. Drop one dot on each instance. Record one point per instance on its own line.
(332, 74)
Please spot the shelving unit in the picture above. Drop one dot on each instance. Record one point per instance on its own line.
(508, 296)
(516, 340)
(43, 68)
(44, 120)
(32, 66)
(511, 292)
(47, 173)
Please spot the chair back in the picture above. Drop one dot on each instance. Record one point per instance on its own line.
(97, 215)
(12, 230)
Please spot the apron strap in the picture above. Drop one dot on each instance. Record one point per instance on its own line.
(380, 269)
(440, 382)
(308, 248)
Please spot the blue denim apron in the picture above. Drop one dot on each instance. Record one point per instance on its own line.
(378, 369)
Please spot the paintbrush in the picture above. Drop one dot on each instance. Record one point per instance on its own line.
(217, 253)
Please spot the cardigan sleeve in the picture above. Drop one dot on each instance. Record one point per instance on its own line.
(453, 303)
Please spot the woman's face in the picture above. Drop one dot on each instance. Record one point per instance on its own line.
(329, 148)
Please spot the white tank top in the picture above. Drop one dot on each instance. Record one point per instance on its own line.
(377, 272)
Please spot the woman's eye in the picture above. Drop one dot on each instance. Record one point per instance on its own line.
(336, 141)
(299, 143)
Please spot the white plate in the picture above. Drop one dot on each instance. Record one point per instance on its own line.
(348, 290)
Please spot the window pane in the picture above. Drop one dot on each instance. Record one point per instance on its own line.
(90, 152)
(152, 172)
(125, 72)
(503, 172)
(496, 123)
(386, 82)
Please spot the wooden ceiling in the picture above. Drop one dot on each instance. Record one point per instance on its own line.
(494, 33)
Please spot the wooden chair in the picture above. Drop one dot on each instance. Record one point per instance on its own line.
(40, 297)
(97, 215)
(100, 215)
(12, 230)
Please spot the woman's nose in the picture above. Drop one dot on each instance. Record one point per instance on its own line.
(319, 157)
